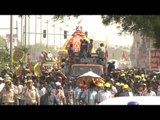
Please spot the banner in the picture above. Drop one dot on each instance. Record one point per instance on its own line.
(18, 55)
(155, 58)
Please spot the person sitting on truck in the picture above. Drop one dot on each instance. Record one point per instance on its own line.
(90, 46)
(70, 51)
(101, 53)
(64, 66)
(84, 48)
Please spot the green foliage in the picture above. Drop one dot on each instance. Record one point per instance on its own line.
(4, 53)
(2, 42)
(148, 25)
(61, 17)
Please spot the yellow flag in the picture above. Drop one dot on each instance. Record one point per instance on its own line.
(37, 70)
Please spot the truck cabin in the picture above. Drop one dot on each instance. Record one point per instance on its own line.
(79, 69)
(81, 66)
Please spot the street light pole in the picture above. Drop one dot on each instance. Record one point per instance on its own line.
(54, 36)
(22, 30)
(25, 31)
(47, 36)
(11, 38)
(35, 32)
(60, 37)
(41, 29)
(28, 30)
(17, 32)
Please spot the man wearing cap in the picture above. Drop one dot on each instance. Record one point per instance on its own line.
(104, 94)
(89, 96)
(59, 93)
(8, 94)
(31, 94)
(124, 91)
(118, 86)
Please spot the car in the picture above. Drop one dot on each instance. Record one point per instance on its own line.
(132, 100)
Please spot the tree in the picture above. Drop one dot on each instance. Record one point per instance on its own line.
(147, 25)
(4, 53)
(61, 17)
(2, 42)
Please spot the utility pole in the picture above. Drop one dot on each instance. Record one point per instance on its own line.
(60, 37)
(41, 29)
(22, 30)
(35, 32)
(25, 39)
(17, 32)
(28, 30)
(47, 36)
(11, 38)
(54, 36)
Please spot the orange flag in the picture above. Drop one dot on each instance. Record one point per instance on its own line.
(124, 56)
(29, 62)
(150, 67)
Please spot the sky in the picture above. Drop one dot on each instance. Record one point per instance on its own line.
(90, 23)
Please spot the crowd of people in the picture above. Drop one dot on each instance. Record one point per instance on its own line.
(54, 88)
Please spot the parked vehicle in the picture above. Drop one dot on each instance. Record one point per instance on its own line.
(133, 100)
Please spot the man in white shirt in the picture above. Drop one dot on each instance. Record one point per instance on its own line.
(150, 92)
(41, 89)
(104, 94)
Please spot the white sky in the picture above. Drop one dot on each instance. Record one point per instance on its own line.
(91, 23)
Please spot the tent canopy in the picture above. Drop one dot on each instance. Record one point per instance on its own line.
(89, 74)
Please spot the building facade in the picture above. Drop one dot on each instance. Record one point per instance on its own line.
(140, 51)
